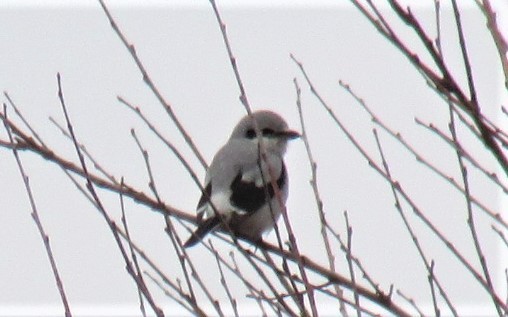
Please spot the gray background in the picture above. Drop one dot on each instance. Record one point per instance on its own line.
(182, 49)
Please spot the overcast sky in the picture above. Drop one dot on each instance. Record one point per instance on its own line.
(182, 49)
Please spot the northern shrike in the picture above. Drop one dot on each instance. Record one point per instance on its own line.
(238, 183)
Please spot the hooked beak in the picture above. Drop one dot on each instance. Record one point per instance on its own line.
(290, 134)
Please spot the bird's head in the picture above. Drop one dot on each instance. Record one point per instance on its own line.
(274, 130)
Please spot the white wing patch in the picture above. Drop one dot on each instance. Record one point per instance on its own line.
(222, 203)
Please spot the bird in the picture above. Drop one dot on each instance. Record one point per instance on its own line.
(238, 194)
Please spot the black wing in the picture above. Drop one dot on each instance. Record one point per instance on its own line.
(249, 197)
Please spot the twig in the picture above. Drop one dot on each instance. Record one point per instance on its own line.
(144, 152)
(139, 251)
(432, 280)
(223, 282)
(437, 10)
(133, 256)
(26, 143)
(232, 59)
(494, 215)
(395, 185)
(411, 301)
(350, 264)
(458, 147)
(22, 117)
(470, 216)
(148, 81)
(288, 281)
(184, 259)
(280, 300)
(445, 83)
(497, 35)
(421, 159)
(85, 151)
(384, 300)
(166, 142)
(318, 200)
(38, 223)
(99, 205)
(365, 275)
(465, 57)
(245, 102)
(170, 295)
(409, 228)
(501, 235)
(235, 269)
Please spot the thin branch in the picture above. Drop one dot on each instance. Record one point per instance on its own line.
(318, 200)
(148, 81)
(184, 260)
(465, 57)
(501, 235)
(144, 152)
(457, 146)
(232, 59)
(421, 159)
(245, 102)
(170, 295)
(470, 216)
(437, 10)
(409, 228)
(280, 300)
(133, 256)
(87, 154)
(142, 255)
(444, 83)
(397, 187)
(38, 223)
(224, 283)
(497, 35)
(22, 117)
(494, 215)
(26, 143)
(91, 189)
(350, 263)
(432, 280)
(365, 275)
(166, 142)
(289, 281)
(411, 301)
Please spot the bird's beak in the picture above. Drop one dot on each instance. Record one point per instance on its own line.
(290, 134)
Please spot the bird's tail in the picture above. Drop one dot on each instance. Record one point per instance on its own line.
(203, 228)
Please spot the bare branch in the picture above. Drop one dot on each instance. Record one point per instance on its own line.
(87, 154)
(350, 263)
(432, 280)
(37, 220)
(148, 81)
(319, 202)
(497, 35)
(409, 228)
(232, 59)
(224, 283)
(91, 189)
(467, 195)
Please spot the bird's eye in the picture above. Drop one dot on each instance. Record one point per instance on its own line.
(250, 134)
(268, 132)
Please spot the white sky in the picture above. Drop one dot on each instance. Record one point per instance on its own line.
(183, 52)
